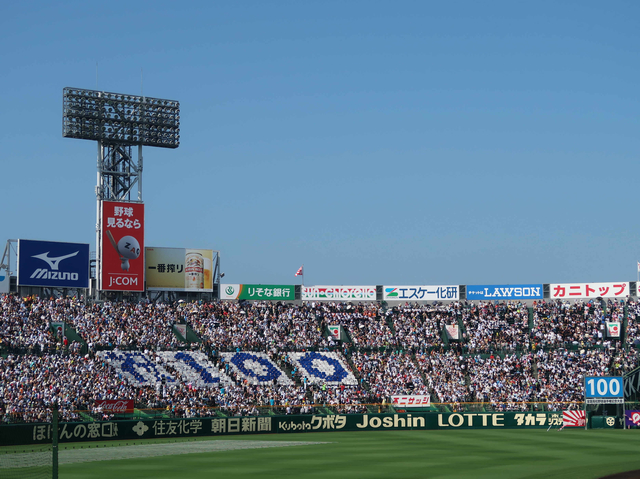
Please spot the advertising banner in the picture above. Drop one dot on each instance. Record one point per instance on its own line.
(217, 426)
(420, 293)
(504, 291)
(411, 401)
(589, 290)
(122, 246)
(632, 418)
(453, 331)
(181, 329)
(573, 419)
(53, 264)
(632, 384)
(115, 406)
(337, 332)
(4, 281)
(179, 269)
(613, 330)
(58, 328)
(339, 293)
(258, 292)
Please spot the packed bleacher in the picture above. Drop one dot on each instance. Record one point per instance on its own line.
(253, 357)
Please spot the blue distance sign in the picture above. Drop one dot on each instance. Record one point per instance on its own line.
(504, 291)
(53, 264)
(606, 387)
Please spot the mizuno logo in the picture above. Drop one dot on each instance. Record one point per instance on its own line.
(53, 262)
(43, 273)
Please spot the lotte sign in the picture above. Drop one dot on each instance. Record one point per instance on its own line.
(122, 246)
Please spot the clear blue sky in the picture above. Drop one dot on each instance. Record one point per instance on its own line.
(457, 142)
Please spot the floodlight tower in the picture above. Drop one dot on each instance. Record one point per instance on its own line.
(118, 122)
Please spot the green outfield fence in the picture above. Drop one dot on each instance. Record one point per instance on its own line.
(326, 408)
(162, 425)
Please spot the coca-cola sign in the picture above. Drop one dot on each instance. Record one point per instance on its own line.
(116, 406)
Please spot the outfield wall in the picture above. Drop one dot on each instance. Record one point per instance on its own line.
(20, 434)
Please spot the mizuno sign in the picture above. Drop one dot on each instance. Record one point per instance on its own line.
(43, 273)
(53, 264)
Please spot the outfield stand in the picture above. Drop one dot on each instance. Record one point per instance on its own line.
(489, 326)
(255, 368)
(420, 327)
(25, 325)
(446, 375)
(389, 373)
(632, 336)
(323, 367)
(561, 324)
(561, 373)
(258, 326)
(278, 358)
(366, 326)
(506, 383)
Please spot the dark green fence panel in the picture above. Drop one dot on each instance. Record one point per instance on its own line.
(167, 428)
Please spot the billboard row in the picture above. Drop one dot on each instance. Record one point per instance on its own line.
(339, 293)
(258, 292)
(411, 401)
(4, 281)
(589, 290)
(421, 293)
(122, 244)
(179, 269)
(504, 291)
(53, 264)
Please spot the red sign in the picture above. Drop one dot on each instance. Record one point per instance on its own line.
(412, 401)
(573, 419)
(115, 406)
(122, 246)
(590, 290)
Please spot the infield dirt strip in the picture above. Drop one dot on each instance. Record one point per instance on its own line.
(73, 456)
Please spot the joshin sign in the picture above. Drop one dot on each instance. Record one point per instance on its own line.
(122, 246)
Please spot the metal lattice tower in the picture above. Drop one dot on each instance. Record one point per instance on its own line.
(118, 173)
(119, 122)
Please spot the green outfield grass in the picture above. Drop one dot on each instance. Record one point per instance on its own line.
(380, 454)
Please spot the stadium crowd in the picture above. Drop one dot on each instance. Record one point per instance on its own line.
(561, 374)
(418, 328)
(504, 382)
(501, 358)
(503, 326)
(562, 324)
(446, 375)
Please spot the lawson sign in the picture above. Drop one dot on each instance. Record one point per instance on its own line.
(504, 291)
(53, 264)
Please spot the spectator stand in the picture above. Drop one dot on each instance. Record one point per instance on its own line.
(66, 335)
(256, 368)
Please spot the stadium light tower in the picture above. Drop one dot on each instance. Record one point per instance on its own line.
(118, 122)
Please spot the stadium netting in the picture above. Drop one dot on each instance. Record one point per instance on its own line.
(27, 463)
(39, 462)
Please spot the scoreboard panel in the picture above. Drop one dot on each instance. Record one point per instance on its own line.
(603, 390)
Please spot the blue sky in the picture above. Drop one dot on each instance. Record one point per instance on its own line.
(375, 142)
